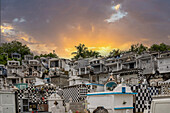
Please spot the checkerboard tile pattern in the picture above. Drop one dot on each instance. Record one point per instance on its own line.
(76, 93)
(70, 93)
(83, 90)
(37, 95)
(165, 88)
(144, 94)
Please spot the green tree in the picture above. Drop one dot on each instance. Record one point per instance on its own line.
(3, 59)
(83, 52)
(138, 48)
(159, 47)
(115, 53)
(50, 55)
(15, 47)
(7, 49)
(90, 53)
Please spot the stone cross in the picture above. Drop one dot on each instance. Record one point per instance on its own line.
(147, 105)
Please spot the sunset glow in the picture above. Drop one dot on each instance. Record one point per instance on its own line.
(101, 26)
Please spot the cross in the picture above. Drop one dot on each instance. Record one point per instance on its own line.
(85, 104)
(147, 105)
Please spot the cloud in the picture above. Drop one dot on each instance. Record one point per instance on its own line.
(22, 20)
(169, 37)
(19, 20)
(62, 24)
(144, 39)
(104, 50)
(10, 33)
(5, 28)
(119, 14)
(116, 7)
(47, 20)
(15, 20)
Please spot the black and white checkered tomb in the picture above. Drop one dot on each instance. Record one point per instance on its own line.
(76, 93)
(34, 95)
(144, 94)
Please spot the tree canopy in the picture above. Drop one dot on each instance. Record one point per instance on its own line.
(50, 55)
(138, 48)
(15, 47)
(160, 47)
(3, 59)
(83, 52)
(115, 53)
(7, 49)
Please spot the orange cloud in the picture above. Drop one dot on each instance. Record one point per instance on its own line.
(6, 28)
(36, 46)
(117, 7)
(100, 40)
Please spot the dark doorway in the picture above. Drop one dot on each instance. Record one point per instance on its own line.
(13, 81)
(30, 71)
(131, 65)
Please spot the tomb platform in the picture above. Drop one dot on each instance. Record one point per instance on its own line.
(115, 99)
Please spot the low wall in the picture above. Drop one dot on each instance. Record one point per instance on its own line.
(77, 106)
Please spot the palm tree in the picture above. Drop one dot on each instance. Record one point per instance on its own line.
(142, 49)
(138, 48)
(115, 53)
(92, 54)
(81, 51)
(96, 54)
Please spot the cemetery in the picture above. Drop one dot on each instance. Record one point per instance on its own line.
(108, 85)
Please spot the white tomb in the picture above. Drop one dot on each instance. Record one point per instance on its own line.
(75, 80)
(59, 108)
(7, 102)
(39, 82)
(116, 100)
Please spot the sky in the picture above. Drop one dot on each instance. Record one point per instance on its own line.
(102, 25)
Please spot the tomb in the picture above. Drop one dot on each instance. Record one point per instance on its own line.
(34, 98)
(75, 80)
(117, 100)
(7, 102)
(165, 87)
(16, 56)
(55, 104)
(144, 94)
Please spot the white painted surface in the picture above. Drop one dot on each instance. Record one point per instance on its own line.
(39, 82)
(112, 101)
(75, 80)
(51, 107)
(7, 102)
(105, 101)
(164, 65)
(120, 98)
(160, 105)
